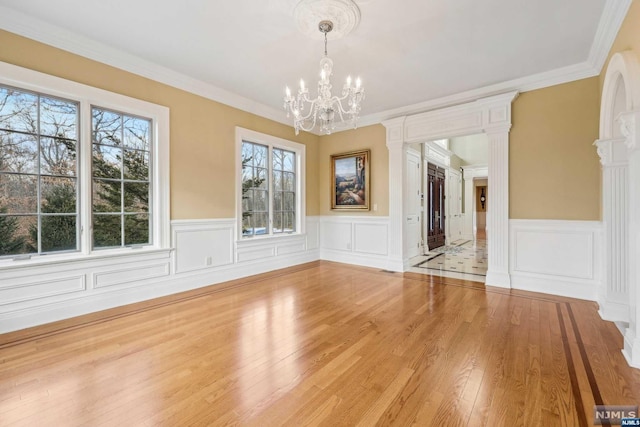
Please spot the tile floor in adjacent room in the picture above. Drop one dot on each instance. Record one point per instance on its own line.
(461, 259)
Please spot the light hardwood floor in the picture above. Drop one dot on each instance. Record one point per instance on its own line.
(321, 344)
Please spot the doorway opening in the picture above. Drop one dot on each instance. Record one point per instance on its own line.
(454, 208)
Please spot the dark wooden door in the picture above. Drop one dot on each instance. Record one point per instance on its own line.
(435, 206)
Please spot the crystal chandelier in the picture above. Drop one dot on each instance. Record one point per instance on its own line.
(325, 110)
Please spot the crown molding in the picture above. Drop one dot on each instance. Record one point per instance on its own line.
(21, 24)
(524, 84)
(610, 22)
(611, 19)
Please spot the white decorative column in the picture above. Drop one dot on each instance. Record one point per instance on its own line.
(498, 207)
(630, 127)
(397, 160)
(613, 297)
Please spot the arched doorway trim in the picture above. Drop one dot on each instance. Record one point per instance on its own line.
(618, 148)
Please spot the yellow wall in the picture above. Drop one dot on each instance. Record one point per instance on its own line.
(370, 137)
(628, 37)
(202, 131)
(554, 171)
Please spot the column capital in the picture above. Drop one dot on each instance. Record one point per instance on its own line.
(612, 152)
(497, 130)
(395, 132)
(630, 128)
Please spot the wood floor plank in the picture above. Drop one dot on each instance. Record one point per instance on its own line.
(323, 344)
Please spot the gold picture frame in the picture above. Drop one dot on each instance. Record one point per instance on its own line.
(350, 182)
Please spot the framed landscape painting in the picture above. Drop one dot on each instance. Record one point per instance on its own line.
(350, 180)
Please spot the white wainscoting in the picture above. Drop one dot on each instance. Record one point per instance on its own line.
(556, 257)
(204, 252)
(359, 240)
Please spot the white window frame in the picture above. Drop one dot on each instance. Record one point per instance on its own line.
(88, 96)
(271, 142)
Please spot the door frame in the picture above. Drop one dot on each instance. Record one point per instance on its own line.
(492, 116)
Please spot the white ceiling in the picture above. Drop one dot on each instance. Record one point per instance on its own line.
(414, 53)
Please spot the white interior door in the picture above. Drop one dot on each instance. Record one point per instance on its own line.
(413, 201)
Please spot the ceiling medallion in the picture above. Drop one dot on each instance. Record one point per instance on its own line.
(344, 14)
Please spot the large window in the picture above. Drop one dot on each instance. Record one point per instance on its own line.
(38, 173)
(81, 169)
(121, 178)
(270, 184)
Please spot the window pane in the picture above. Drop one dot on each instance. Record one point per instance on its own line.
(289, 161)
(262, 181)
(260, 222)
(289, 202)
(58, 118)
(260, 201)
(58, 195)
(107, 231)
(18, 110)
(277, 201)
(137, 133)
(247, 174)
(289, 180)
(18, 234)
(136, 165)
(57, 157)
(277, 222)
(19, 193)
(277, 181)
(58, 233)
(136, 197)
(247, 154)
(277, 159)
(136, 229)
(260, 155)
(107, 127)
(247, 229)
(107, 161)
(107, 196)
(18, 153)
(289, 221)
(247, 201)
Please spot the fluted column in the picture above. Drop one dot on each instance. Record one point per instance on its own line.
(397, 160)
(613, 297)
(630, 126)
(498, 207)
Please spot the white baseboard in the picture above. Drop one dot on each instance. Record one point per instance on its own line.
(373, 261)
(631, 350)
(613, 312)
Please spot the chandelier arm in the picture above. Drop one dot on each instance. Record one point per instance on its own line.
(300, 124)
(341, 109)
(312, 109)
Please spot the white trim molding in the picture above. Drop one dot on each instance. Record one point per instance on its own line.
(205, 253)
(488, 115)
(619, 151)
(556, 257)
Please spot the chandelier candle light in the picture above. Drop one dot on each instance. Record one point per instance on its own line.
(322, 110)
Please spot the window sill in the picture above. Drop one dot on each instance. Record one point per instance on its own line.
(71, 258)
